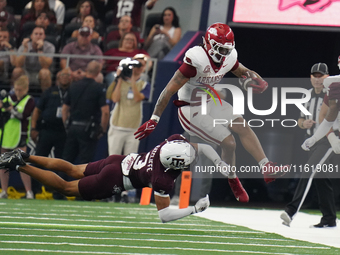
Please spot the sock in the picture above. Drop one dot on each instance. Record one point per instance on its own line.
(232, 175)
(263, 162)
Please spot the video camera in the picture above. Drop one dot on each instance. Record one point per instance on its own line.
(127, 65)
(3, 95)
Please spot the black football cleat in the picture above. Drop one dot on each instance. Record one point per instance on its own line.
(324, 225)
(10, 160)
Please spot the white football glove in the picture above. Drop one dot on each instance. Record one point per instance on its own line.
(202, 204)
(223, 168)
(308, 143)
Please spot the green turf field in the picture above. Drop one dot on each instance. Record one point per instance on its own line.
(75, 227)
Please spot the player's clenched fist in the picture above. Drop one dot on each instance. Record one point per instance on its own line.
(145, 129)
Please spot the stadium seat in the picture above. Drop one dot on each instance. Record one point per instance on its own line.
(112, 45)
(68, 30)
(151, 20)
(69, 15)
(54, 40)
(27, 29)
(109, 18)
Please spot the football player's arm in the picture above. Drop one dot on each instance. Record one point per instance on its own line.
(167, 214)
(176, 82)
(257, 83)
(241, 70)
(324, 127)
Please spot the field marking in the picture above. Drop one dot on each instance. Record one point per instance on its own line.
(107, 221)
(146, 247)
(125, 227)
(142, 233)
(78, 252)
(163, 240)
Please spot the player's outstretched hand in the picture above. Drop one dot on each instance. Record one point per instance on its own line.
(145, 129)
(259, 86)
(202, 204)
(308, 143)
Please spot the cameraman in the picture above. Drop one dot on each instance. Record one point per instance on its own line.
(18, 108)
(127, 92)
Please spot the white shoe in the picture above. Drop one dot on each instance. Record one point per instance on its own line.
(286, 219)
(29, 194)
(3, 194)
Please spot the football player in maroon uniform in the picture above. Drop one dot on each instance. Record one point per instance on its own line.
(205, 66)
(158, 169)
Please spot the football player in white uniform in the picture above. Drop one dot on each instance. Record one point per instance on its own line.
(205, 66)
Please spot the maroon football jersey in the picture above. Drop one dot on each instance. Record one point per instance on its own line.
(132, 8)
(148, 171)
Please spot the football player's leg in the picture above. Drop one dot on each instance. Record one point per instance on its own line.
(51, 179)
(248, 139)
(55, 164)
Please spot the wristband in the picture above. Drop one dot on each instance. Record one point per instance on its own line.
(155, 118)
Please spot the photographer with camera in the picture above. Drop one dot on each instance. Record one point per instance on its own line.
(16, 112)
(127, 91)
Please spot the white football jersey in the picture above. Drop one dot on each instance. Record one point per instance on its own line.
(206, 74)
(330, 79)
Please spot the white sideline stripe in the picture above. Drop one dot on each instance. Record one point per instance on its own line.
(145, 247)
(106, 221)
(78, 252)
(141, 233)
(270, 222)
(163, 240)
(125, 227)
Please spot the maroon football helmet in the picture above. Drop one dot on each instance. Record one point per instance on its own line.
(219, 41)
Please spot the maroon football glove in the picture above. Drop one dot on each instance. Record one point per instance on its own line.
(259, 85)
(145, 129)
(334, 91)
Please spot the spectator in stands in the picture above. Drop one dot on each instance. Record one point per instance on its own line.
(19, 108)
(37, 7)
(127, 48)
(134, 9)
(4, 8)
(5, 60)
(165, 35)
(57, 6)
(7, 22)
(128, 94)
(124, 26)
(43, 20)
(37, 67)
(90, 22)
(82, 46)
(84, 8)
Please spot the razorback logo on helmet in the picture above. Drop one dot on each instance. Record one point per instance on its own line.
(212, 30)
(188, 60)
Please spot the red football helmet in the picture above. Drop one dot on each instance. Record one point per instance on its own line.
(219, 41)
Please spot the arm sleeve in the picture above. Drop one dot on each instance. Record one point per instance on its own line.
(187, 70)
(323, 129)
(235, 66)
(335, 142)
(168, 214)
